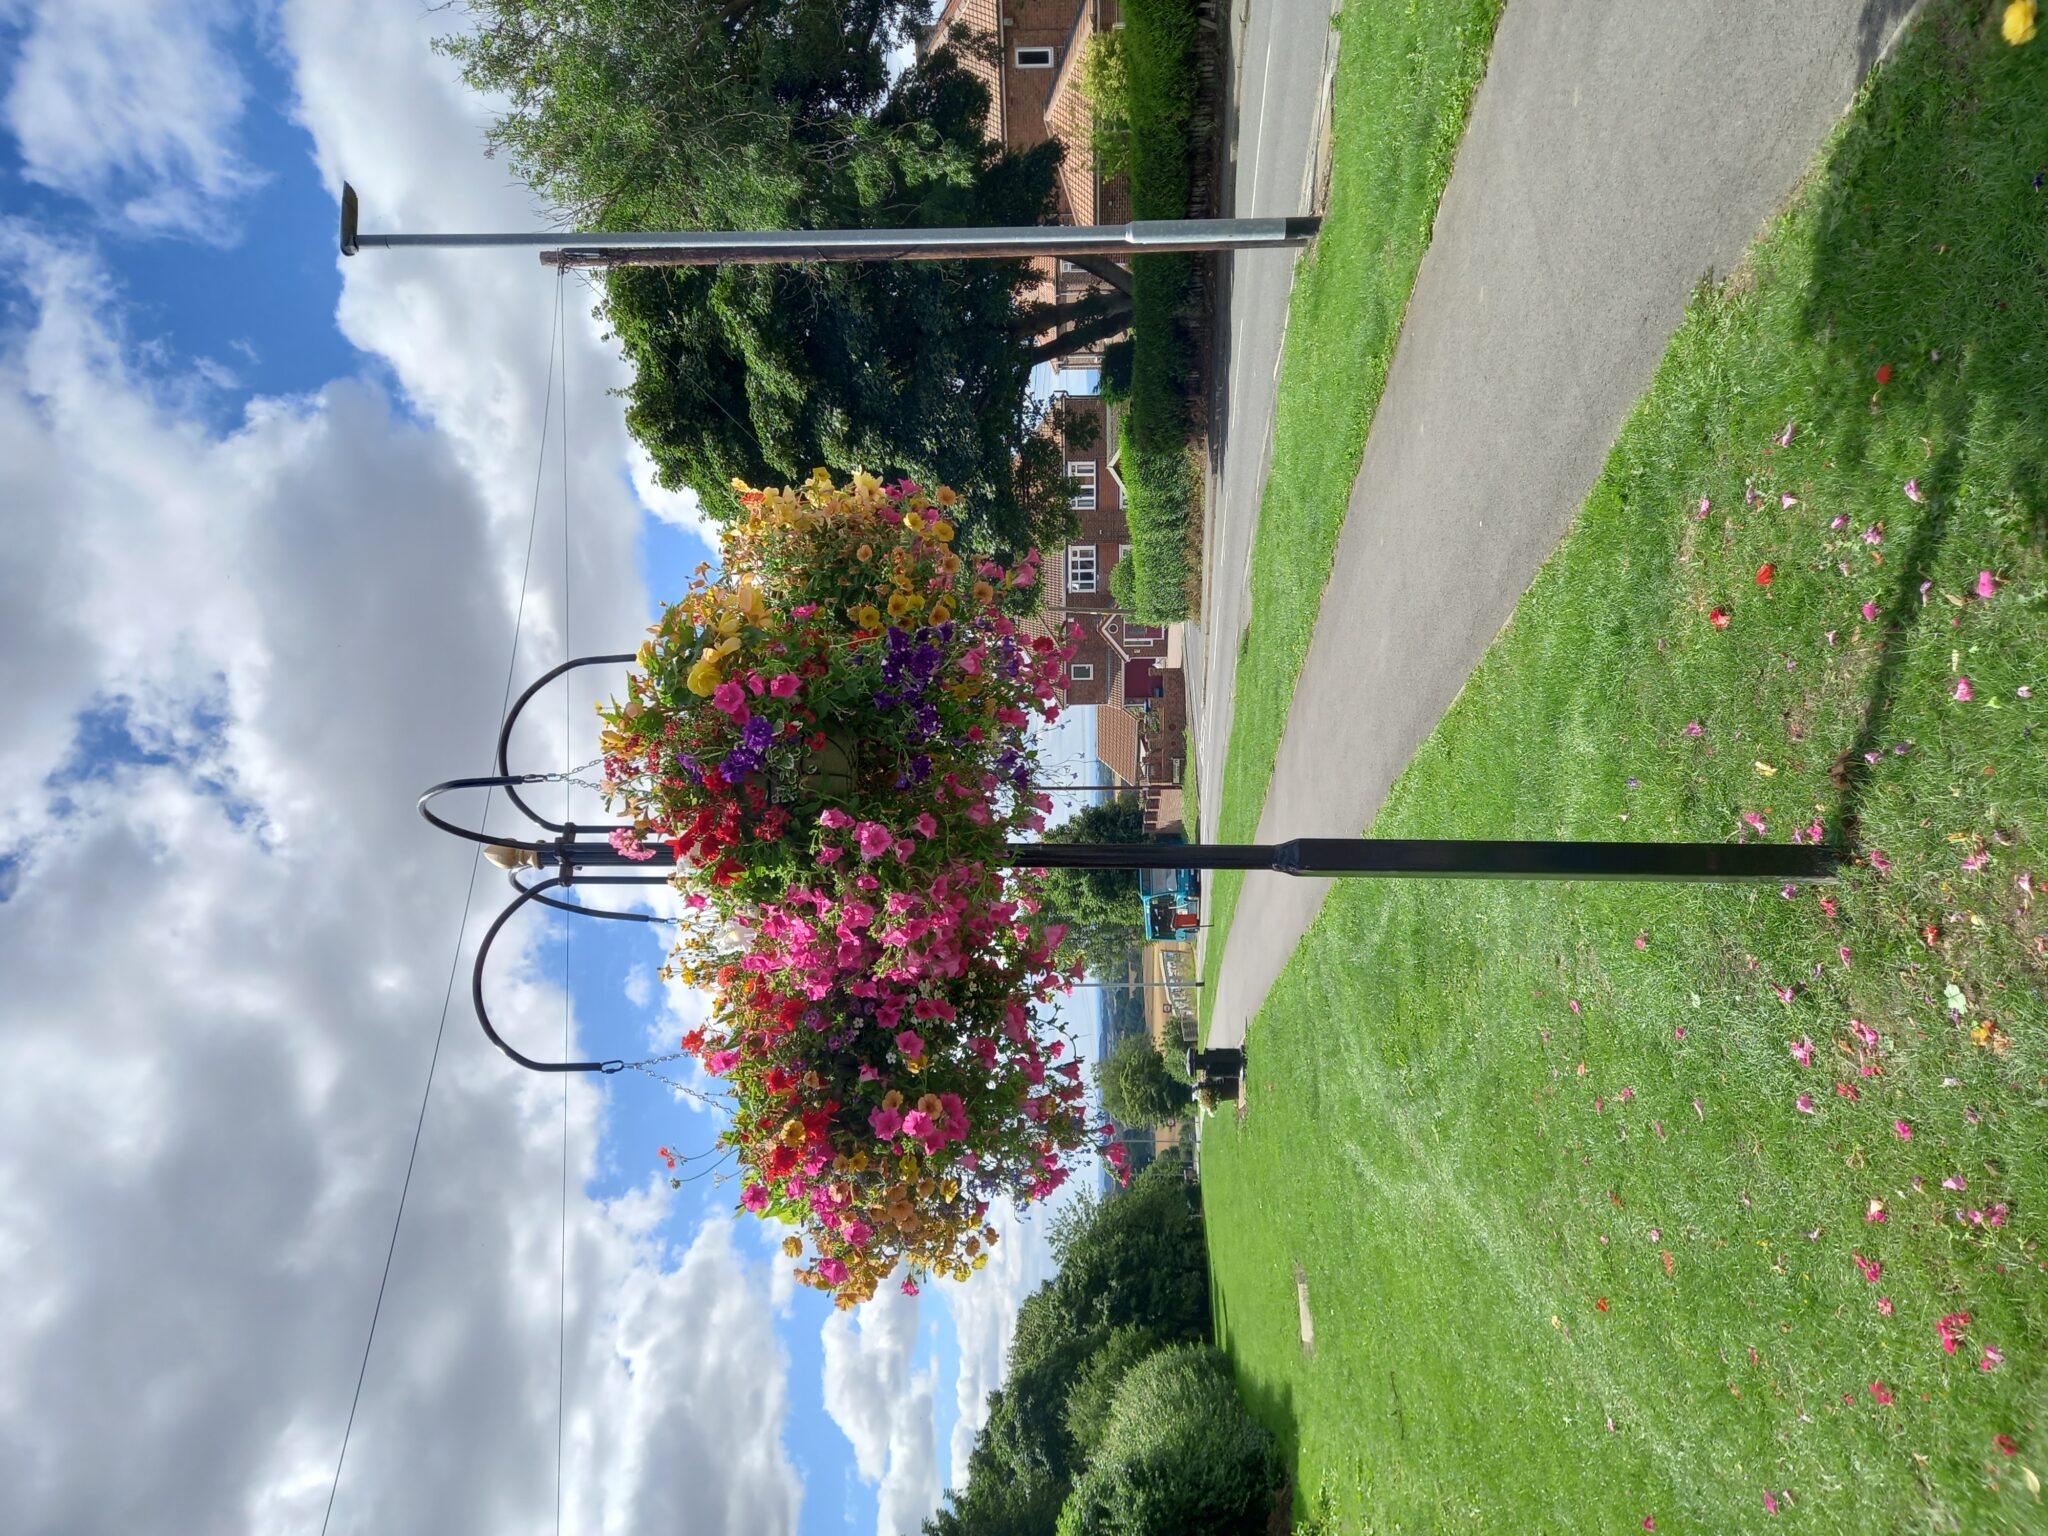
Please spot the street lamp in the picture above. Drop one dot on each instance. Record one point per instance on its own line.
(575, 854)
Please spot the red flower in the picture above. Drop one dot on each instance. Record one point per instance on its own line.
(1601, 1303)
(782, 1160)
(1884, 373)
(1882, 1393)
(1718, 618)
(1764, 573)
(2007, 1444)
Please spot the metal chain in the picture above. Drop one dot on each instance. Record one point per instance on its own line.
(646, 1069)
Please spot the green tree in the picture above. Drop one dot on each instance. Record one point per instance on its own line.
(1102, 908)
(781, 114)
(1130, 1265)
(1136, 1087)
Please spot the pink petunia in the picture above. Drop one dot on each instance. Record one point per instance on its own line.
(1950, 1330)
(1573, 1004)
(1802, 1051)
(755, 1197)
(910, 1043)
(1993, 1358)
(1987, 584)
(1770, 1504)
(1692, 728)
(1913, 491)
(1884, 1306)
(730, 699)
(1784, 994)
(1785, 437)
(1878, 861)
(1804, 1104)
(886, 1123)
(1904, 1128)
(1870, 611)
(785, 685)
(1787, 500)
(834, 818)
(874, 839)
(1871, 1267)
(1882, 1393)
(832, 1271)
(1976, 861)
(918, 1124)
(1874, 534)
(1964, 692)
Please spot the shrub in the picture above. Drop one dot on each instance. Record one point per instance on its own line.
(1180, 1455)
(1092, 1397)
(1123, 584)
(1106, 86)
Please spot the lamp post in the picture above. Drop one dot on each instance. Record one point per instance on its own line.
(577, 855)
(713, 248)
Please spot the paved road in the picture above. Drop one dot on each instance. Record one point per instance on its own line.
(1616, 153)
(1280, 52)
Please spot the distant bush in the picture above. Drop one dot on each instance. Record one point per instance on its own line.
(1106, 86)
(1179, 1457)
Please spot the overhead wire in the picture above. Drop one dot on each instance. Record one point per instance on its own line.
(562, 1279)
(454, 960)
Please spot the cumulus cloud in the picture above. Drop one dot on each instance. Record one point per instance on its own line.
(231, 661)
(985, 1318)
(133, 107)
(884, 1406)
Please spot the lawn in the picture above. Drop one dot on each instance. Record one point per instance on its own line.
(1587, 1243)
(1406, 74)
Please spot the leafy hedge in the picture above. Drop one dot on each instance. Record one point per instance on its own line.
(1162, 477)
(1180, 1456)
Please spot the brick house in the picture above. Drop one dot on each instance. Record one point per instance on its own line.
(1034, 95)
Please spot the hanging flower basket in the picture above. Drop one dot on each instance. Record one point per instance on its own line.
(829, 738)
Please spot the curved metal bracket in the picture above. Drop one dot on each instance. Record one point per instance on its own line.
(583, 911)
(483, 954)
(512, 715)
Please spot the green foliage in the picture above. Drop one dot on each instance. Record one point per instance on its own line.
(1161, 471)
(1448, 1104)
(1093, 1394)
(1106, 84)
(1136, 1087)
(1102, 908)
(1115, 379)
(1180, 1456)
(776, 114)
(1123, 577)
(1127, 1265)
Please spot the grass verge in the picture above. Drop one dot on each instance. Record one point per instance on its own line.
(1405, 79)
(1588, 1244)
(1161, 472)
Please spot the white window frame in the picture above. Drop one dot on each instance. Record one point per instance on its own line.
(1084, 469)
(1034, 56)
(1079, 555)
(1080, 671)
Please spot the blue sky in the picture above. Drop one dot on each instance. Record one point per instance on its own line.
(269, 512)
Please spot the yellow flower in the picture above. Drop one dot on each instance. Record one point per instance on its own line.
(950, 1189)
(983, 592)
(792, 1133)
(947, 496)
(2020, 18)
(913, 522)
(893, 1099)
(941, 611)
(908, 1167)
(704, 678)
(860, 1162)
(870, 616)
(865, 553)
(901, 603)
(792, 1247)
(930, 1104)
(981, 1261)
(942, 530)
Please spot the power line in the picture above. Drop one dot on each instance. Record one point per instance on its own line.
(454, 960)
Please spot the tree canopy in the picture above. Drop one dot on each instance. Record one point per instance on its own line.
(780, 114)
(1102, 908)
(1133, 1275)
(1136, 1087)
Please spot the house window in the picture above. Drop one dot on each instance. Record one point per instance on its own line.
(1082, 476)
(1080, 567)
(1034, 58)
(1123, 552)
(1081, 672)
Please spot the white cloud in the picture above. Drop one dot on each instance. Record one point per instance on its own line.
(884, 1406)
(639, 986)
(682, 508)
(224, 956)
(985, 1317)
(132, 106)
